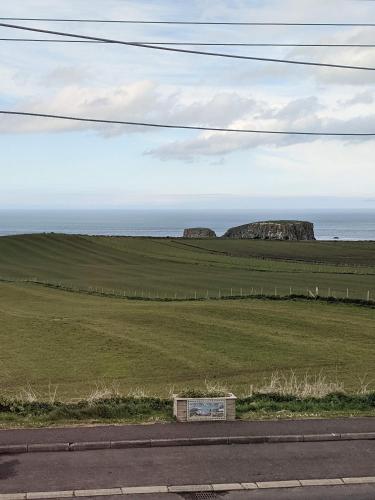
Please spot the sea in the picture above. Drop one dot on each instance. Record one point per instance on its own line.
(353, 225)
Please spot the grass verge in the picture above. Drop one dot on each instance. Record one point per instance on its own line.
(259, 406)
(282, 397)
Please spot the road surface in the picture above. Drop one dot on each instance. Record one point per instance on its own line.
(196, 429)
(192, 465)
(185, 465)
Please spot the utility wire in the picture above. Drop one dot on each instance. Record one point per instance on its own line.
(187, 127)
(186, 51)
(198, 23)
(209, 44)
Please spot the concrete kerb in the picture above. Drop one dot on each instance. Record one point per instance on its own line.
(92, 445)
(279, 484)
(144, 490)
(136, 443)
(49, 494)
(13, 449)
(98, 493)
(192, 488)
(323, 437)
(321, 482)
(201, 441)
(45, 447)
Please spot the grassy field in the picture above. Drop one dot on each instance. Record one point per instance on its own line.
(74, 340)
(50, 337)
(166, 267)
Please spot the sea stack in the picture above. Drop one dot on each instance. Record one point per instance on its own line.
(199, 232)
(273, 230)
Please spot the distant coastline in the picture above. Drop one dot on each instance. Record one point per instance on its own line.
(354, 225)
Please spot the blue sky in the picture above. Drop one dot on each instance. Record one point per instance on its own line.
(49, 164)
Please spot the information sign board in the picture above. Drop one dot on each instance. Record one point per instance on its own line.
(206, 409)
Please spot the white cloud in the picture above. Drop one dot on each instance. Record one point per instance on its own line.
(120, 102)
(138, 101)
(365, 97)
(296, 115)
(147, 101)
(298, 108)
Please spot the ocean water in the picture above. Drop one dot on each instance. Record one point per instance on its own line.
(345, 225)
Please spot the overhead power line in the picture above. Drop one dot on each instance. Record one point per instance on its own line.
(186, 51)
(198, 23)
(187, 127)
(206, 44)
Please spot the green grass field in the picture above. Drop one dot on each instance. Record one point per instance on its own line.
(166, 267)
(74, 340)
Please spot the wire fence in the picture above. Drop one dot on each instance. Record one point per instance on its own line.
(366, 297)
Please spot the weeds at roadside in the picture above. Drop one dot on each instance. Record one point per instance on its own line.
(309, 385)
(282, 396)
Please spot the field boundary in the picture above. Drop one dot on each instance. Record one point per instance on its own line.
(311, 294)
(172, 442)
(276, 257)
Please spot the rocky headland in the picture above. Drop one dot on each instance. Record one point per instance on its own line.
(273, 230)
(199, 232)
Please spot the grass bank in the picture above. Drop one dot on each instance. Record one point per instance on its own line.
(259, 406)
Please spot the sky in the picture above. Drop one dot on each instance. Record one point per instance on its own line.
(53, 164)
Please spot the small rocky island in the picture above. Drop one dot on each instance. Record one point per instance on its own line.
(267, 230)
(199, 232)
(273, 230)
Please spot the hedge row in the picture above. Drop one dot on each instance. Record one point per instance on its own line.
(132, 408)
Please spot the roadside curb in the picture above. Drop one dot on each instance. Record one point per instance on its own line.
(201, 441)
(191, 488)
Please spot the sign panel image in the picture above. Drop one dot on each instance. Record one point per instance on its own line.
(206, 409)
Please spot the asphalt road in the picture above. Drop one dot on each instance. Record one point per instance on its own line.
(189, 465)
(176, 430)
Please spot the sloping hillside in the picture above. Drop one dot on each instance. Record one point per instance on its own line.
(170, 266)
